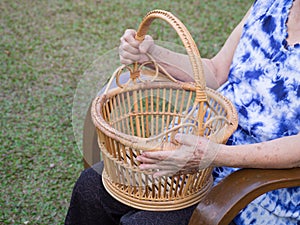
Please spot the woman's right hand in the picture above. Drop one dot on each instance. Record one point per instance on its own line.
(131, 50)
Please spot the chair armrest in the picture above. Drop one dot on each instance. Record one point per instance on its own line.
(226, 199)
(91, 151)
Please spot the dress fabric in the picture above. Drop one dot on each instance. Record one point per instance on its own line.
(264, 86)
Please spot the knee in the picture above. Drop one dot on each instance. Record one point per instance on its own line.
(88, 184)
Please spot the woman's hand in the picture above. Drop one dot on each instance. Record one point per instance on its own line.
(193, 153)
(176, 64)
(131, 50)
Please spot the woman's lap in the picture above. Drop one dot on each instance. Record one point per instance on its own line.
(91, 204)
(87, 206)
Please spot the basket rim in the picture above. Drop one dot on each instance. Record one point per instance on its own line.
(141, 142)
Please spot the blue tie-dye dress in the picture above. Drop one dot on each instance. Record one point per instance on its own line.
(264, 85)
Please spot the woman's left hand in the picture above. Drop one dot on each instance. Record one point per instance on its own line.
(192, 153)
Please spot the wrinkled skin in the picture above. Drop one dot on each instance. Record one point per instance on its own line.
(191, 153)
(131, 50)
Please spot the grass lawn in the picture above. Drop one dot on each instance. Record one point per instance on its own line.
(46, 48)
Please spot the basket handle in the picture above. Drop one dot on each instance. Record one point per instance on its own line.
(187, 41)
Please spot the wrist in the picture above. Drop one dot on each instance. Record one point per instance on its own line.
(209, 158)
(222, 156)
(155, 51)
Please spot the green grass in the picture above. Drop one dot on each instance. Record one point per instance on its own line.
(46, 47)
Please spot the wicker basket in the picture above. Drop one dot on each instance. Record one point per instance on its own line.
(144, 113)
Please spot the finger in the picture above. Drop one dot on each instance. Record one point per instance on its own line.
(127, 57)
(125, 61)
(129, 36)
(125, 46)
(158, 166)
(129, 32)
(143, 159)
(146, 45)
(162, 173)
(158, 155)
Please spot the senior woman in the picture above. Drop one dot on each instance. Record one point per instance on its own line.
(258, 69)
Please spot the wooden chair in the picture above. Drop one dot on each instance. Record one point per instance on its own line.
(227, 198)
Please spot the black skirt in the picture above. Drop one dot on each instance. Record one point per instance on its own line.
(91, 205)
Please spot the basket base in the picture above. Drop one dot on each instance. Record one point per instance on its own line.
(155, 205)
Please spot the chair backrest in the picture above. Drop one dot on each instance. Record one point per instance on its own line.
(91, 151)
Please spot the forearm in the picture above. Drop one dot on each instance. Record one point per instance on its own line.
(280, 153)
(179, 66)
(216, 70)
